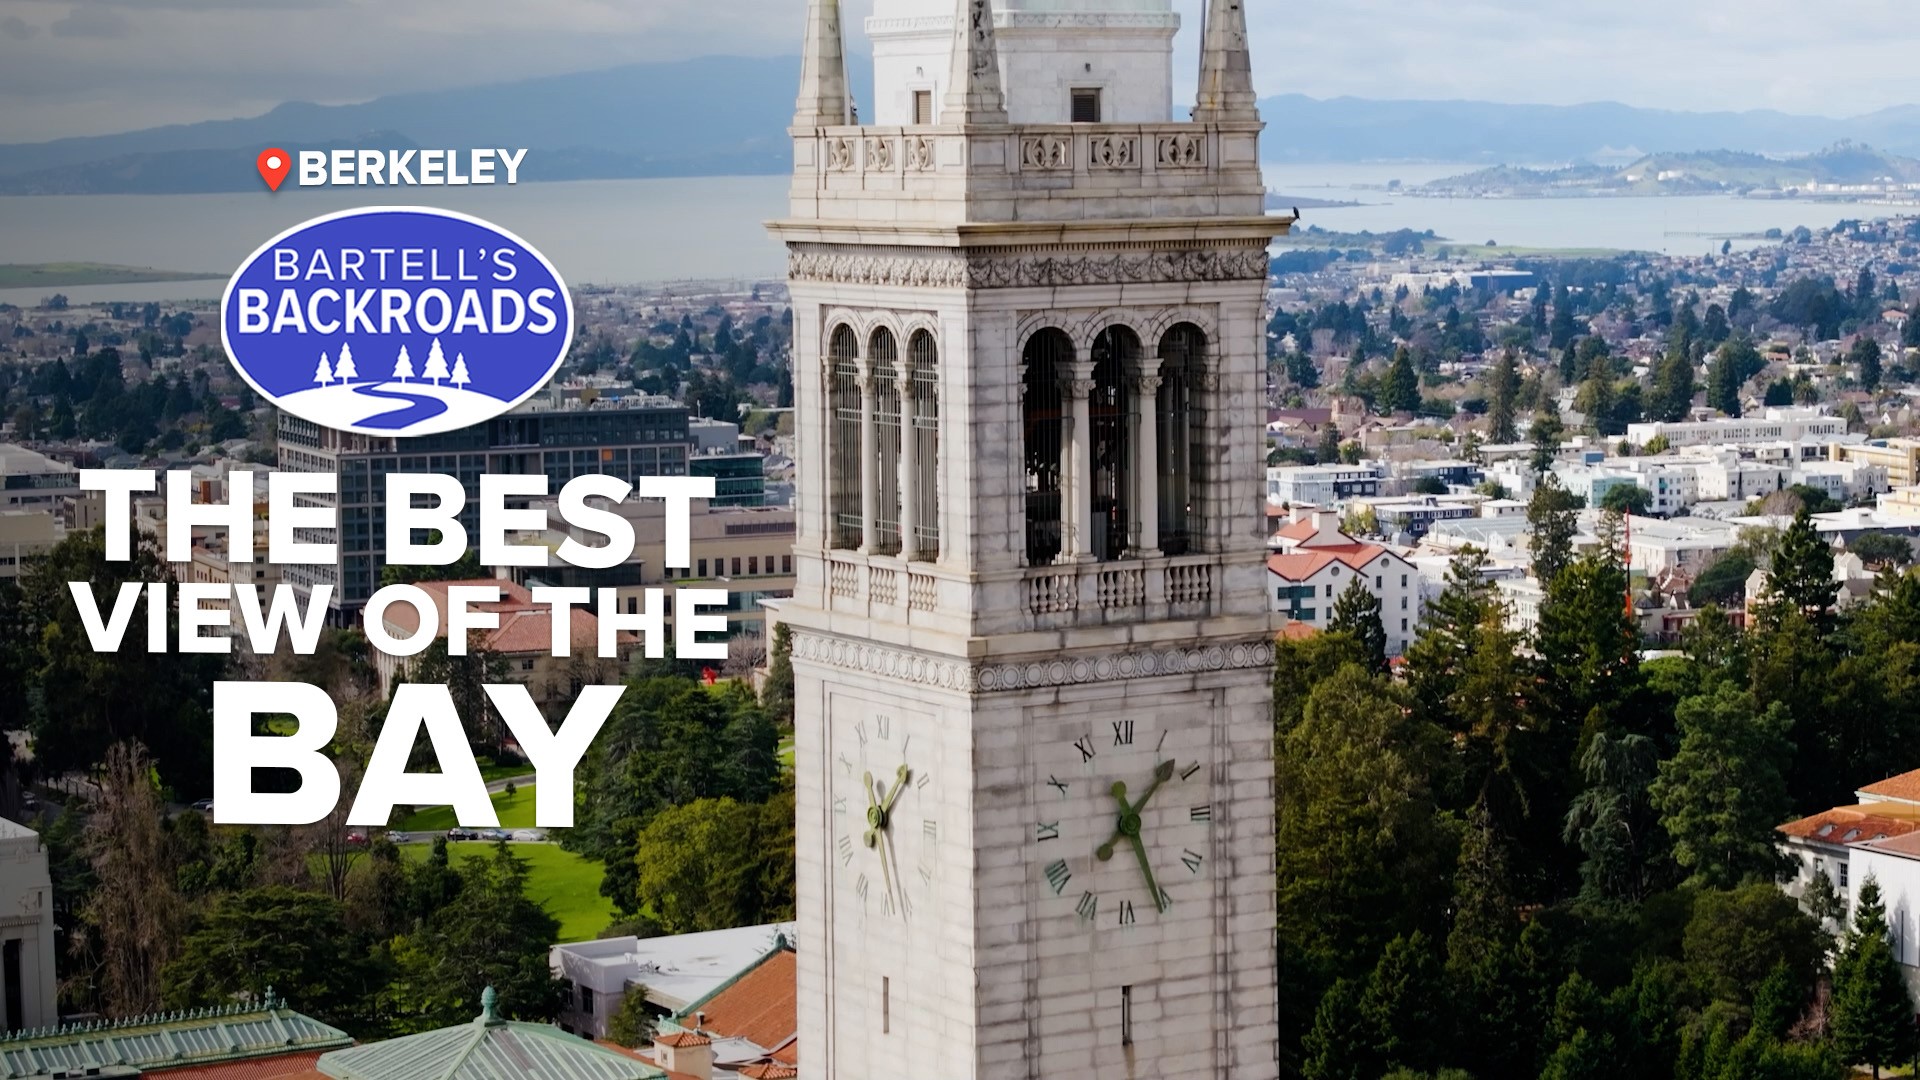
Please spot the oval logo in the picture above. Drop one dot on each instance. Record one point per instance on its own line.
(396, 320)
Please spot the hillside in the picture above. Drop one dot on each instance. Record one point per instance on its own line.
(725, 115)
(1699, 172)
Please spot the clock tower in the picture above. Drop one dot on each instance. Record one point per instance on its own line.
(1031, 643)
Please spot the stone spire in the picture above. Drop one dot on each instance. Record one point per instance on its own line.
(974, 95)
(824, 99)
(1226, 71)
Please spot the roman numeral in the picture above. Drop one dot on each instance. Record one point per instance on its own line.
(860, 887)
(840, 804)
(1048, 831)
(906, 742)
(845, 765)
(1126, 913)
(930, 828)
(1187, 773)
(1192, 859)
(1162, 742)
(1162, 902)
(925, 779)
(1084, 744)
(846, 850)
(1089, 906)
(1123, 733)
(1201, 813)
(860, 729)
(885, 724)
(1058, 875)
(926, 873)
(1051, 782)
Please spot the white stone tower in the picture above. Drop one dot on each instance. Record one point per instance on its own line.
(1031, 645)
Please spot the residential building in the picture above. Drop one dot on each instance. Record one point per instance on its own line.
(1878, 839)
(750, 1023)
(1684, 544)
(1899, 457)
(1323, 485)
(628, 437)
(25, 533)
(27, 983)
(1318, 562)
(1409, 518)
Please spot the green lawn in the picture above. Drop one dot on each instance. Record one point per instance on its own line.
(515, 810)
(566, 884)
(786, 753)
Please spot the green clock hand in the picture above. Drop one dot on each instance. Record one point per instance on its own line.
(1130, 814)
(1153, 888)
(876, 816)
(900, 781)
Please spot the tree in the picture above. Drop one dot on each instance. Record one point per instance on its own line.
(403, 367)
(1872, 1013)
(1882, 549)
(274, 937)
(488, 935)
(700, 866)
(1673, 387)
(323, 374)
(1401, 389)
(1727, 374)
(1724, 790)
(460, 376)
(1627, 499)
(344, 370)
(1865, 357)
(1340, 1045)
(436, 368)
(1328, 450)
(632, 1024)
(776, 695)
(1547, 431)
(1404, 1004)
(1503, 384)
(1553, 519)
(1610, 820)
(1735, 939)
(1802, 575)
(135, 914)
(1724, 581)
(1357, 612)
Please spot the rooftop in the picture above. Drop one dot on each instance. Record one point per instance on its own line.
(677, 971)
(488, 1048)
(167, 1040)
(1904, 788)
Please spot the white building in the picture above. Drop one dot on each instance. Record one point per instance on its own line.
(1736, 479)
(1317, 562)
(34, 481)
(675, 971)
(1880, 839)
(1774, 424)
(1322, 485)
(1679, 544)
(1028, 565)
(1842, 481)
(27, 986)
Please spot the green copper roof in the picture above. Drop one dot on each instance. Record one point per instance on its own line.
(166, 1040)
(489, 1048)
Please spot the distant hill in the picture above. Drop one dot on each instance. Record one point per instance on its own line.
(1701, 172)
(723, 115)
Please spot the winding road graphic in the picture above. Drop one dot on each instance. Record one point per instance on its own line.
(423, 407)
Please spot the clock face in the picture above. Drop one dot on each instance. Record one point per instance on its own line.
(885, 827)
(1123, 819)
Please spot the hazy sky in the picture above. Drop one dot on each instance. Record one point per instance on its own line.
(81, 67)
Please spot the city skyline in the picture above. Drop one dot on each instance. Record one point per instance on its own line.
(88, 67)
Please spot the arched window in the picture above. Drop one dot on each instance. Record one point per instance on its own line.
(1110, 442)
(883, 356)
(923, 359)
(1045, 358)
(843, 408)
(1180, 434)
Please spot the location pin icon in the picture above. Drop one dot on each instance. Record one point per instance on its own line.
(273, 164)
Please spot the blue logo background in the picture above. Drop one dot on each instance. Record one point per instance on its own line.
(396, 321)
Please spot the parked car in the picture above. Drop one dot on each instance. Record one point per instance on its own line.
(528, 836)
(356, 838)
(400, 837)
(462, 834)
(493, 834)
(205, 806)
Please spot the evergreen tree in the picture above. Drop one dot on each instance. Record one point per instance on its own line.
(323, 374)
(1404, 1006)
(1910, 333)
(1865, 357)
(344, 370)
(1357, 612)
(1553, 520)
(1401, 391)
(403, 367)
(1328, 451)
(1340, 1045)
(1724, 790)
(1547, 432)
(1503, 384)
(1724, 381)
(1802, 575)
(1872, 1013)
(460, 375)
(1673, 387)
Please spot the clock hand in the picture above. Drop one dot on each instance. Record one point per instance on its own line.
(875, 815)
(899, 782)
(1153, 888)
(1161, 774)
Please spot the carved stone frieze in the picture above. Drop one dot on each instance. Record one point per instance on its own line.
(960, 675)
(1010, 271)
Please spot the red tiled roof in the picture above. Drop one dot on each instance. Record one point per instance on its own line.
(1847, 825)
(1299, 530)
(1295, 630)
(679, 1039)
(760, 1006)
(525, 627)
(1904, 788)
(638, 1056)
(1908, 845)
(299, 1066)
(1301, 565)
(770, 1070)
